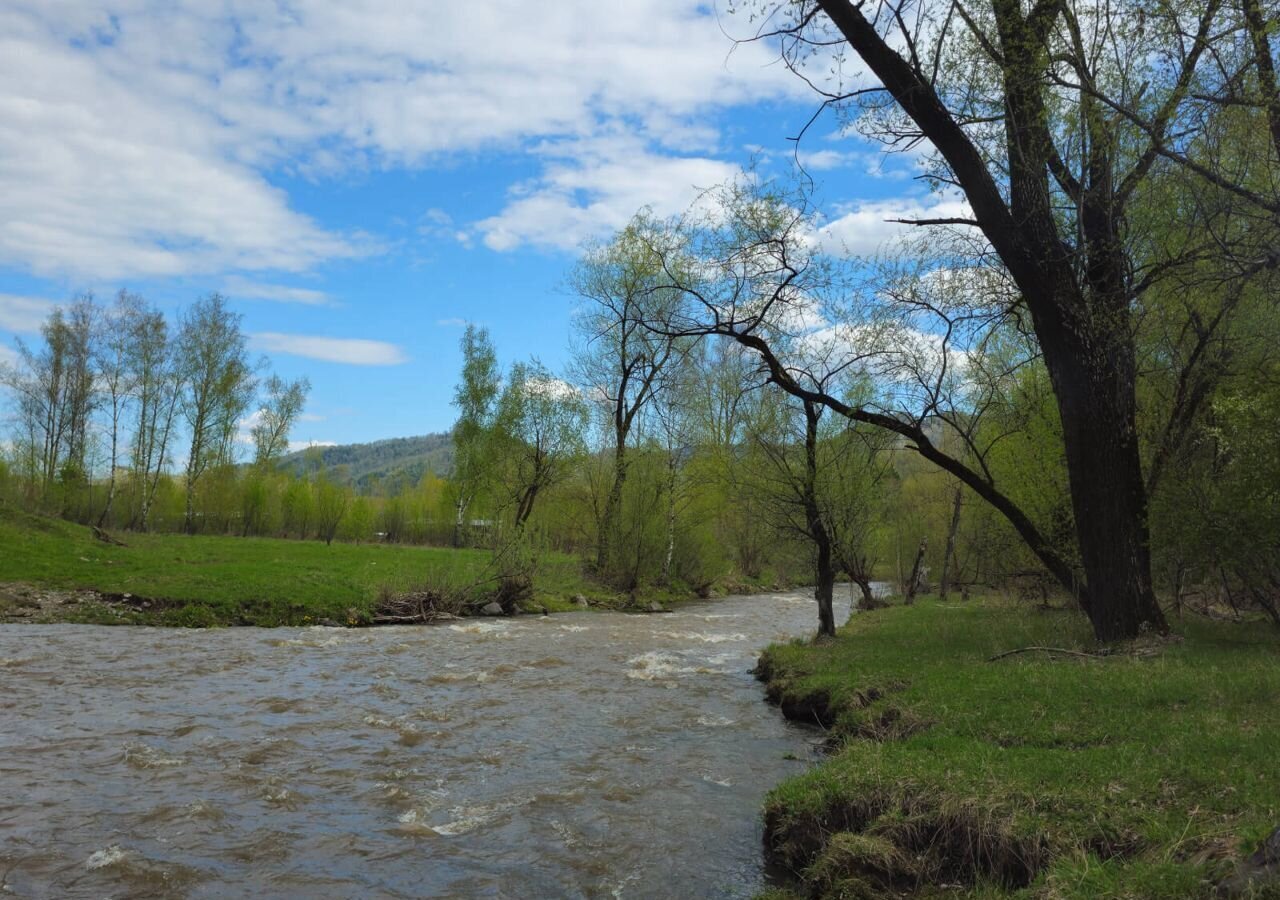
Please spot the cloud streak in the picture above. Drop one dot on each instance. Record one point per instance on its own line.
(237, 286)
(24, 315)
(348, 351)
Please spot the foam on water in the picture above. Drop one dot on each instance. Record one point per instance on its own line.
(655, 665)
(704, 638)
(109, 856)
(144, 756)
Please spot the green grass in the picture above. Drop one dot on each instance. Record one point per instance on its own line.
(256, 581)
(1134, 775)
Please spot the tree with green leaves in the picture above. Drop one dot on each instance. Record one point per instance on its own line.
(474, 399)
(282, 403)
(619, 362)
(218, 385)
(537, 435)
(1056, 121)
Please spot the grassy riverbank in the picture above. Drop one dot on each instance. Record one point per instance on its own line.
(1147, 773)
(227, 580)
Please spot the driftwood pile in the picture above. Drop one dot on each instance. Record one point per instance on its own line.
(414, 608)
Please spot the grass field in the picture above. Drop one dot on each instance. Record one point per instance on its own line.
(1147, 773)
(259, 581)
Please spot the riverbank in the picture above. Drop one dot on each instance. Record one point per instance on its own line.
(1146, 772)
(57, 571)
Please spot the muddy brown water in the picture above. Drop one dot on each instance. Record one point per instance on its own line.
(580, 755)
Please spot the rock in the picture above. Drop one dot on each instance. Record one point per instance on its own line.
(1256, 874)
(655, 606)
(491, 609)
(579, 600)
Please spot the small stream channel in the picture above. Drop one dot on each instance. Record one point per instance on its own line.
(579, 755)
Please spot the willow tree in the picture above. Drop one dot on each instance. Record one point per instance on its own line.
(620, 363)
(1054, 122)
(537, 436)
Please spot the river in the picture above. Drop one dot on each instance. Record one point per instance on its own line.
(577, 755)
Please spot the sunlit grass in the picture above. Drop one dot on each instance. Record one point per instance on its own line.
(1135, 775)
(260, 581)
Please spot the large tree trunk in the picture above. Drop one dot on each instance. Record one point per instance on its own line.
(1097, 406)
(826, 578)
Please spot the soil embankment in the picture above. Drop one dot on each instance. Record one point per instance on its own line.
(1144, 770)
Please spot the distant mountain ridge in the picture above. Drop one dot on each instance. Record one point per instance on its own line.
(366, 466)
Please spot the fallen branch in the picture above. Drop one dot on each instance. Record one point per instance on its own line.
(106, 538)
(1061, 650)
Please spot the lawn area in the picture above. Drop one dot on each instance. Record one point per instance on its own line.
(1146, 773)
(229, 580)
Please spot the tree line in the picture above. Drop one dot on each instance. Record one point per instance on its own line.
(120, 416)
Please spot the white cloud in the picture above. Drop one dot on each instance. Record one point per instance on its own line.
(551, 387)
(453, 322)
(352, 351)
(821, 160)
(295, 446)
(237, 286)
(866, 228)
(24, 315)
(8, 356)
(140, 138)
(593, 187)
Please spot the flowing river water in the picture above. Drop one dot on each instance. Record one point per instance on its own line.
(578, 755)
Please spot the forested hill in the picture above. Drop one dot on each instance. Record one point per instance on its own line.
(365, 466)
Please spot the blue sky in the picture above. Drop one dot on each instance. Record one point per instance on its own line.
(362, 178)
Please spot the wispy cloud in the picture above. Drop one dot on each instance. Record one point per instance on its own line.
(821, 160)
(8, 356)
(452, 323)
(866, 228)
(24, 315)
(237, 286)
(592, 187)
(350, 351)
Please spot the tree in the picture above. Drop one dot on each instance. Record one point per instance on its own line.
(218, 385)
(281, 406)
(537, 431)
(112, 351)
(474, 398)
(620, 362)
(331, 502)
(56, 395)
(1053, 121)
(819, 481)
(155, 377)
